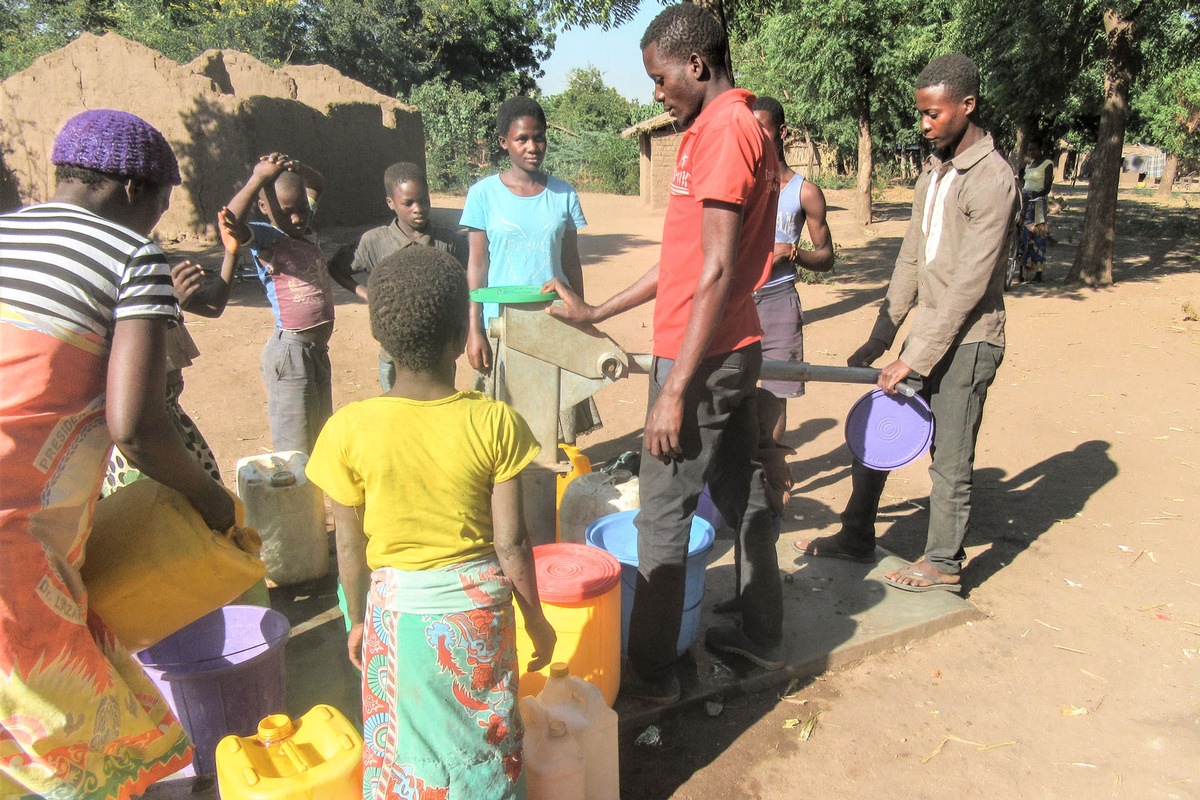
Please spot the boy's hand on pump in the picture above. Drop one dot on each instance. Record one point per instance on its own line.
(572, 309)
(544, 638)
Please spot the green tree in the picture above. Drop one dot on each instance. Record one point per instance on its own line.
(1131, 29)
(587, 104)
(585, 145)
(457, 127)
(1169, 109)
(840, 61)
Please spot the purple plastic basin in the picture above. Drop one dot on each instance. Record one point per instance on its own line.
(887, 431)
(221, 675)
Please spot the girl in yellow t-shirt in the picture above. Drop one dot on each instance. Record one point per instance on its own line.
(432, 549)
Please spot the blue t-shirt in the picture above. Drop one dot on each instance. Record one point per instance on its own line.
(525, 234)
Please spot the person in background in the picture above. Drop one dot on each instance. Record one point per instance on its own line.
(1037, 179)
(801, 203)
(85, 305)
(702, 423)
(432, 549)
(949, 275)
(295, 362)
(408, 196)
(523, 230)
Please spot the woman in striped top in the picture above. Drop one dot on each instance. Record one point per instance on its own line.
(85, 302)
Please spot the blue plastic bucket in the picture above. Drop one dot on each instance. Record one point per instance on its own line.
(221, 675)
(617, 534)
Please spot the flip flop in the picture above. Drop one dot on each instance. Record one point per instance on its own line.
(932, 586)
(825, 547)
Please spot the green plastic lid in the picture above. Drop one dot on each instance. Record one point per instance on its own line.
(512, 295)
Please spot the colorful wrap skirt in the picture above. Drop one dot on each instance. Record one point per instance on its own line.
(440, 719)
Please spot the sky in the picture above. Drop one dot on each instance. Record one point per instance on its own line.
(614, 52)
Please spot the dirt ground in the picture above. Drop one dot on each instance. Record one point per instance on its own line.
(1083, 680)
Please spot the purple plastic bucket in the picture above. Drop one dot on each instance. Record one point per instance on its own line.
(887, 431)
(221, 675)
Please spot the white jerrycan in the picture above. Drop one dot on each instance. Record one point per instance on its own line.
(593, 724)
(592, 496)
(288, 511)
(554, 766)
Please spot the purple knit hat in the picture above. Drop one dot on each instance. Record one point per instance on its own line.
(116, 143)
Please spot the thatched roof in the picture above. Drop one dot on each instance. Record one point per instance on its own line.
(645, 126)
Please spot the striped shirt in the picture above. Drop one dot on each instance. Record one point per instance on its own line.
(69, 269)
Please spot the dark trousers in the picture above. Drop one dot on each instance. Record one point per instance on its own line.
(299, 390)
(956, 390)
(719, 439)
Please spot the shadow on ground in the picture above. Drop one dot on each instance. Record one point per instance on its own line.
(1009, 513)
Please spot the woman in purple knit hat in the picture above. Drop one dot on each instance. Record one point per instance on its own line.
(85, 303)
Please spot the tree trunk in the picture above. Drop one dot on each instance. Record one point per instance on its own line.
(1094, 259)
(717, 7)
(1167, 182)
(866, 164)
(1016, 157)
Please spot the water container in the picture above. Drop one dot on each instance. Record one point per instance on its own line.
(617, 534)
(289, 513)
(221, 675)
(579, 587)
(592, 496)
(316, 757)
(593, 724)
(152, 565)
(554, 766)
(580, 465)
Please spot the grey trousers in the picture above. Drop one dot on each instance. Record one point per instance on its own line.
(299, 390)
(956, 390)
(719, 439)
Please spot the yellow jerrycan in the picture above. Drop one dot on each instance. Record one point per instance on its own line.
(316, 757)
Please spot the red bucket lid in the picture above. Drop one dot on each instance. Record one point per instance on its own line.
(569, 573)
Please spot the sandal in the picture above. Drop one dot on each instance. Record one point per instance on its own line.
(931, 583)
(828, 547)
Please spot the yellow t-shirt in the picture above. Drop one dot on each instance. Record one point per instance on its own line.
(425, 471)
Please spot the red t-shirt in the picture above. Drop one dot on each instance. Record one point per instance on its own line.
(724, 156)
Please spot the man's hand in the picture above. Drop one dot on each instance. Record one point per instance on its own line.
(479, 352)
(892, 374)
(572, 309)
(866, 355)
(663, 424)
(186, 277)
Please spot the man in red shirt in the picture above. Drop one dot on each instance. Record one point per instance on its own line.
(702, 425)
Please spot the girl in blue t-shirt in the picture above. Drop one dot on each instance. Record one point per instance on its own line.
(522, 231)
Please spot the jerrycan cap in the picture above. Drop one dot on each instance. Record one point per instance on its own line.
(283, 478)
(275, 729)
(558, 729)
(559, 669)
